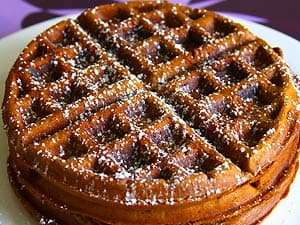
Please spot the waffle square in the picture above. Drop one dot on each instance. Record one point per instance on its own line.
(150, 113)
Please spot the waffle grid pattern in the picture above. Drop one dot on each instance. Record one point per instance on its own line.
(151, 93)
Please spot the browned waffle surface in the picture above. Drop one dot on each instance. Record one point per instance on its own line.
(150, 113)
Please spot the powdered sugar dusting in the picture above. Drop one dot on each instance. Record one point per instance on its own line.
(149, 105)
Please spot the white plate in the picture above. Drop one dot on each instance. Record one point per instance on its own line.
(287, 212)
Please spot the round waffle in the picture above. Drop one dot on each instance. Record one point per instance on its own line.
(150, 113)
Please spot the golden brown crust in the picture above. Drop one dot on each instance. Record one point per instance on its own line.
(153, 113)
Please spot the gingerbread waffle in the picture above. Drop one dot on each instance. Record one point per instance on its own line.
(150, 113)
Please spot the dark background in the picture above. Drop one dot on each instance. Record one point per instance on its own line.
(281, 15)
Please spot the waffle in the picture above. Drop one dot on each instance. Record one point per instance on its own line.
(150, 113)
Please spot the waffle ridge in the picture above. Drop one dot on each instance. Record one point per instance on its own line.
(151, 106)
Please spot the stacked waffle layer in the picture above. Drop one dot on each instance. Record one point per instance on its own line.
(150, 113)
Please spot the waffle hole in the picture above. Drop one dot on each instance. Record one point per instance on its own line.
(107, 131)
(170, 139)
(67, 38)
(259, 58)
(73, 148)
(22, 88)
(34, 113)
(106, 165)
(231, 74)
(204, 163)
(198, 87)
(166, 174)
(276, 109)
(222, 28)
(45, 73)
(262, 58)
(222, 109)
(137, 33)
(255, 184)
(255, 134)
(256, 94)
(278, 79)
(194, 14)
(70, 95)
(172, 20)
(160, 54)
(108, 76)
(140, 156)
(41, 50)
(85, 59)
(144, 113)
(192, 40)
(65, 35)
(35, 74)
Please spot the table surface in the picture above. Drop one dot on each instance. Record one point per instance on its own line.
(281, 15)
